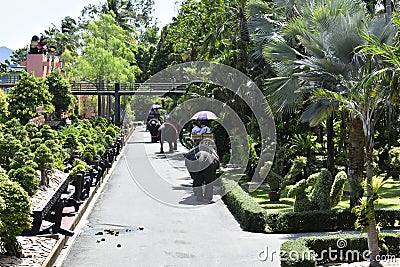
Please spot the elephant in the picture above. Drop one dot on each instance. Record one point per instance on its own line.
(153, 126)
(202, 162)
(169, 133)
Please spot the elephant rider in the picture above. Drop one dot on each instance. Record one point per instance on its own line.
(202, 163)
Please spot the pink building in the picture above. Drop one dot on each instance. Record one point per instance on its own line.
(40, 64)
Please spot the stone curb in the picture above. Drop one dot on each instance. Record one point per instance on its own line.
(59, 246)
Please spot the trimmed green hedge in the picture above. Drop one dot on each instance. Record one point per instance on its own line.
(250, 214)
(255, 218)
(316, 250)
(324, 220)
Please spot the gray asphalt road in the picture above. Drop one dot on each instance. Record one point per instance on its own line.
(148, 201)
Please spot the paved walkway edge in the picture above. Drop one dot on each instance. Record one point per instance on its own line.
(83, 210)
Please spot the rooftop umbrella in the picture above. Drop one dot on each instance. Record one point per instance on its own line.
(204, 115)
(155, 106)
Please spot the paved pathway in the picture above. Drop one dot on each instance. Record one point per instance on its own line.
(159, 223)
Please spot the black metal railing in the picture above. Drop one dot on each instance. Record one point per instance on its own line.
(85, 87)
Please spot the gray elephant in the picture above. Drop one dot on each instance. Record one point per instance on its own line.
(153, 125)
(168, 133)
(202, 163)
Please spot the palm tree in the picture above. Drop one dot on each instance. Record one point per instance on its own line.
(366, 101)
(124, 12)
(327, 34)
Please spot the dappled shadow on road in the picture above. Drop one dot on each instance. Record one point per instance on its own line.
(175, 156)
(192, 201)
(139, 142)
(185, 187)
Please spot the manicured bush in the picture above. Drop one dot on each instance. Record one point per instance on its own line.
(26, 176)
(44, 158)
(47, 133)
(9, 145)
(320, 194)
(394, 158)
(111, 131)
(77, 166)
(295, 253)
(89, 153)
(71, 142)
(301, 200)
(297, 167)
(337, 188)
(15, 217)
(109, 140)
(250, 214)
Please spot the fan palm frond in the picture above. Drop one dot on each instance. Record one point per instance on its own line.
(283, 95)
(277, 50)
(383, 28)
(317, 112)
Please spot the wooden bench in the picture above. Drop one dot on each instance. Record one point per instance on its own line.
(47, 211)
(48, 204)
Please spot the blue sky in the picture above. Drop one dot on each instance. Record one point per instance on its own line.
(21, 19)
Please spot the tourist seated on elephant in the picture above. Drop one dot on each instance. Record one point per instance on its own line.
(202, 163)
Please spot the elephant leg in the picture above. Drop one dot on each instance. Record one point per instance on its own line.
(209, 191)
(175, 145)
(171, 149)
(161, 146)
(198, 188)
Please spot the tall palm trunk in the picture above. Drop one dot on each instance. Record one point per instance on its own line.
(330, 162)
(244, 38)
(388, 7)
(356, 160)
(371, 231)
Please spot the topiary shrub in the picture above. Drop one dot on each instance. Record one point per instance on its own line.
(44, 158)
(48, 133)
(89, 153)
(320, 195)
(111, 131)
(297, 167)
(16, 216)
(109, 140)
(317, 192)
(77, 166)
(337, 188)
(71, 142)
(301, 199)
(100, 149)
(394, 160)
(26, 177)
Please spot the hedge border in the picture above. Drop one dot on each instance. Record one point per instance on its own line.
(255, 218)
(250, 214)
(328, 220)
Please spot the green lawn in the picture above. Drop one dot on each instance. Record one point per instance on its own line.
(390, 198)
